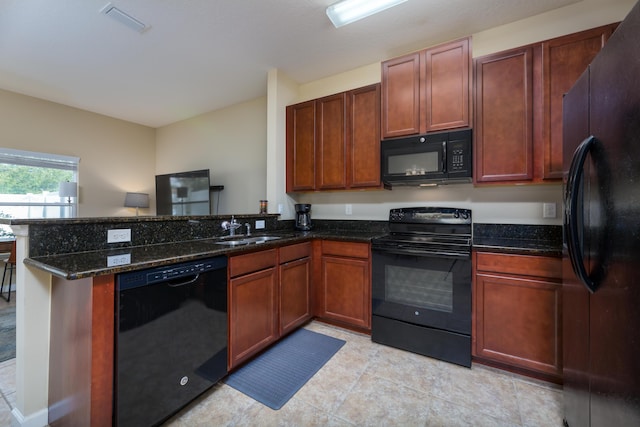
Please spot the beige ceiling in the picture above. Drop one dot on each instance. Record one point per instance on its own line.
(202, 55)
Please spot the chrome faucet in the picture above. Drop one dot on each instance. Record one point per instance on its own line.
(246, 224)
(231, 226)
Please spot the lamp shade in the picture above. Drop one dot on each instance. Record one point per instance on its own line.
(68, 189)
(136, 200)
(182, 192)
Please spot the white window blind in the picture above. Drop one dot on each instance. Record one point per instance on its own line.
(42, 160)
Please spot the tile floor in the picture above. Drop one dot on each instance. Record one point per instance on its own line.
(367, 384)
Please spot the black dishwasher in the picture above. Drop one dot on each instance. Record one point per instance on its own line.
(171, 341)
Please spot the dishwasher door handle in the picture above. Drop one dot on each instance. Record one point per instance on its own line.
(177, 285)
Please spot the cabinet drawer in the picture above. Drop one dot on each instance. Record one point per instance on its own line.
(347, 249)
(526, 265)
(256, 261)
(293, 252)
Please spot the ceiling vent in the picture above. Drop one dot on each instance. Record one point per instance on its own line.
(123, 17)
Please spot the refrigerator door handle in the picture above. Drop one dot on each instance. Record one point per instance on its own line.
(572, 228)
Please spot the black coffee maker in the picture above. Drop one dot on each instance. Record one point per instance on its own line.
(303, 216)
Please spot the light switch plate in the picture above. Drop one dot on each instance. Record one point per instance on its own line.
(348, 209)
(259, 224)
(119, 235)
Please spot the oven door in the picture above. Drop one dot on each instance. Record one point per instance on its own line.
(426, 290)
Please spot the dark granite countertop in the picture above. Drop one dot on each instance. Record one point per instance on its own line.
(518, 239)
(79, 265)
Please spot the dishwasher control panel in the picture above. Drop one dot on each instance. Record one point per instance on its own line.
(149, 276)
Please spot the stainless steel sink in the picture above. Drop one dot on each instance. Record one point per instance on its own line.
(245, 240)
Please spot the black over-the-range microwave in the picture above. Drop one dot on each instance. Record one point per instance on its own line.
(427, 160)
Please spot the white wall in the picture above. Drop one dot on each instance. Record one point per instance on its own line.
(231, 143)
(115, 156)
(281, 91)
(514, 204)
(570, 19)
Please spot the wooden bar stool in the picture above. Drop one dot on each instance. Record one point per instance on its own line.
(10, 264)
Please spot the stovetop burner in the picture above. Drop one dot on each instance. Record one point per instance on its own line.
(442, 231)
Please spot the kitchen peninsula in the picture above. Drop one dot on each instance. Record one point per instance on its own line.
(66, 276)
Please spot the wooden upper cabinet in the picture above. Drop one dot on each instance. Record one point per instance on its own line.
(447, 88)
(503, 148)
(301, 148)
(401, 96)
(565, 59)
(518, 106)
(427, 90)
(333, 143)
(363, 155)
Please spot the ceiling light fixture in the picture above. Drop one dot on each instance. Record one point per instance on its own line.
(347, 11)
(123, 18)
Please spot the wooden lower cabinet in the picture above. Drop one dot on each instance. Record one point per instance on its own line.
(344, 285)
(253, 304)
(295, 293)
(269, 296)
(517, 313)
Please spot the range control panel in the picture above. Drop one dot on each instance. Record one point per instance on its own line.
(430, 215)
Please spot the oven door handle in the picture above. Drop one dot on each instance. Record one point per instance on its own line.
(456, 255)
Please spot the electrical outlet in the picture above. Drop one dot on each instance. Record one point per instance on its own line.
(348, 209)
(115, 260)
(280, 208)
(259, 224)
(119, 235)
(548, 210)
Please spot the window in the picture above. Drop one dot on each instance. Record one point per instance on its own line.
(29, 184)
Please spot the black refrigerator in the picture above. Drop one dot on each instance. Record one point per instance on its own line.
(601, 253)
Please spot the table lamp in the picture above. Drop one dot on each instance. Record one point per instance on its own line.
(136, 200)
(68, 189)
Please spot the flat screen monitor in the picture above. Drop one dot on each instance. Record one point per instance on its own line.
(183, 193)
